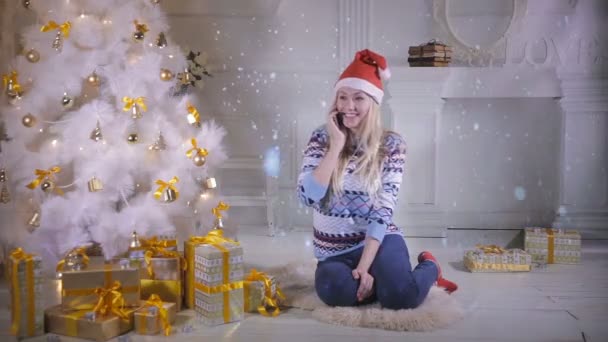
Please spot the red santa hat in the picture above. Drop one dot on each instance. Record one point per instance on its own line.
(366, 73)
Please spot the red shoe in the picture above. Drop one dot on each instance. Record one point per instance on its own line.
(447, 285)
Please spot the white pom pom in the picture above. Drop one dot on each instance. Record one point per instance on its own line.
(385, 74)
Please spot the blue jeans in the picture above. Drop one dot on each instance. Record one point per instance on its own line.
(396, 286)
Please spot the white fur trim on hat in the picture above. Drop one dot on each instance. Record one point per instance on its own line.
(385, 74)
(363, 85)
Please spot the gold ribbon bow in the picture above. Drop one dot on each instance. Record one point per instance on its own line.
(162, 185)
(44, 174)
(154, 241)
(110, 300)
(269, 301)
(129, 102)
(217, 211)
(82, 251)
(196, 150)
(64, 28)
(140, 27)
(491, 249)
(161, 251)
(194, 112)
(155, 301)
(18, 255)
(12, 77)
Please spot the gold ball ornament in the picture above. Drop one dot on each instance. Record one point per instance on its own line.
(132, 138)
(32, 56)
(138, 35)
(166, 75)
(28, 120)
(199, 159)
(67, 102)
(93, 79)
(47, 185)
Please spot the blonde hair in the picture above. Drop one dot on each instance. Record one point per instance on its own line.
(369, 163)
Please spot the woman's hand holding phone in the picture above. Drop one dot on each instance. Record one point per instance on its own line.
(336, 130)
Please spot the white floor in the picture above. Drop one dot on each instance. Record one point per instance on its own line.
(556, 303)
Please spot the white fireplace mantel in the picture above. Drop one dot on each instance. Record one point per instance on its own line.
(417, 96)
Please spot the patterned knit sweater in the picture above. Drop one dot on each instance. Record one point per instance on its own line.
(341, 223)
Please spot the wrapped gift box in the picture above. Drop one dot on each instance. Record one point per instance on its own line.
(496, 259)
(149, 320)
(215, 280)
(87, 324)
(547, 245)
(165, 282)
(206, 262)
(78, 287)
(261, 293)
(25, 282)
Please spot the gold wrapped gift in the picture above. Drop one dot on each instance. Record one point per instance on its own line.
(165, 289)
(262, 294)
(553, 246)
(87, 324)
(215, 278)
(492, 258)
(79, 288)
(212, 258)
(219, 304)
(155, 316)
(27, 313)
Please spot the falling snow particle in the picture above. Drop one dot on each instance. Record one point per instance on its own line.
(520, 193)
(476, 126)
(254, 126)
(323, 104)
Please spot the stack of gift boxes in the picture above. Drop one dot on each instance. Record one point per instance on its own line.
(431, 54)
(542, 246)
(143, 290)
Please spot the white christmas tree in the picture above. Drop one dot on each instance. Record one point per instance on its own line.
(101, 136)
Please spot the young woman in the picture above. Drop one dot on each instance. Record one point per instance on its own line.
(351, 174)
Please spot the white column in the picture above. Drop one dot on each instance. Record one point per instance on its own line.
(584, 156)
(354, 23)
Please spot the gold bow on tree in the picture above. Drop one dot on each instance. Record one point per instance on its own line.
(140, 27)
(155, 301)
(162, 186)
(129, 102)
(64, 28)
(217, 211)
(11, 78)
(269, 301)
(41, 175)
(194, 118)
(196, 150)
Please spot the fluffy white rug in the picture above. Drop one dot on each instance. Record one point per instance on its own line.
(297, 283)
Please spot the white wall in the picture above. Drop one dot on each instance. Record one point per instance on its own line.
(497, 153)
(542, 103)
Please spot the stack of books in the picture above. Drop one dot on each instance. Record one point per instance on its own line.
(431, 54)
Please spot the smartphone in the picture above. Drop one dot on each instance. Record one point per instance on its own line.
(340, 120)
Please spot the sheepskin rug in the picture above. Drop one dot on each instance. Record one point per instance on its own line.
(297, 283)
